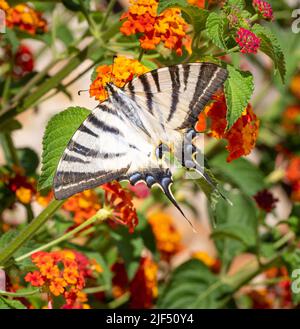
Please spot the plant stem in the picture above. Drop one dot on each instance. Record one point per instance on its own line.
(94, 290)
(101, 215)
(28, 232)
(19, 294)
(108, 11)
(119, 301)
(6, 89)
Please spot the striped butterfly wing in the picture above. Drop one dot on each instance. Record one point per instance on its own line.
(176, 95)
(104, 148)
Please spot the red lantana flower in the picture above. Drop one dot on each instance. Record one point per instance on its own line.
(264, 9)
(265, 200)
(247, 41)
(120, 200)
(241, 136)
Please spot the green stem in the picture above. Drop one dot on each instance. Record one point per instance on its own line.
(28, 232)
(108, 11)
(46, 86)
(232, 50)
(142, 51)
(19, 294)
(254, 18)
(6, 89)
(94, 290)
(38, 77)
(119, 301)
(101, 215)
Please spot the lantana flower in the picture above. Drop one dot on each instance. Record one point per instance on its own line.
(24, 17)
(291, 119)
(122, 71)
(295, 86)
(120, 200)
(61, 273)
(82, 205)
(241, 137)
(22, 186)
(168, 239)
(168, 28)
(265, 200)
(142, 288)
(293, 176)
(264, 9)
(247, 41)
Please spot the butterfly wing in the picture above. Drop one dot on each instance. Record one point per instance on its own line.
(101, 150)
(176, 95)
(107, 147)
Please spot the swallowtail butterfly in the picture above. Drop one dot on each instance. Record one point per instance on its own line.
(125, 136)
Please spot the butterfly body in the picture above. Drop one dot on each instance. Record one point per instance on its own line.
(125, 137)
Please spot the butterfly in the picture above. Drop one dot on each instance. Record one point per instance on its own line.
(126, 136)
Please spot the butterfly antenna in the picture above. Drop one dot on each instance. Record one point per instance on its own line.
(82, 91)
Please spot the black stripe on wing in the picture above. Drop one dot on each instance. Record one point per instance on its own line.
(68, 183)
(175, 78)
(211, 78)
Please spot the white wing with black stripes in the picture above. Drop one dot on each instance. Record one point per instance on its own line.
(175, 95)
(123, 137)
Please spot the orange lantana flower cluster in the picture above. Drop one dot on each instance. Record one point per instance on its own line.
(291, 119)
(168, 239)
(61, 273)
(278, 295)
(24, 17)
(293, 176)
(143, 287)
(122, 71)
(83, 205)
(241, 136)
(168, 27)
(295, 86)
(120, 200)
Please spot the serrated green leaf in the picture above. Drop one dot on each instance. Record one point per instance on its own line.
(192, 285)
(240, 172)
(240, 4)
(58, 132)
(239, 87)
(271, 47)
(215, 26)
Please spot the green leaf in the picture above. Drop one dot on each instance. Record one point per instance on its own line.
(239, 87)
(130, 247)
(58, 132)
(192, 285)
(106, 274)
(165, 4)
(6, 303)
(215, 26)
(235, 230)
(192, 14)
(240, 4)
(64, 34)
(29, 160)
(10, 126)
(239, 172)
(271, 47)
(11, 36)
